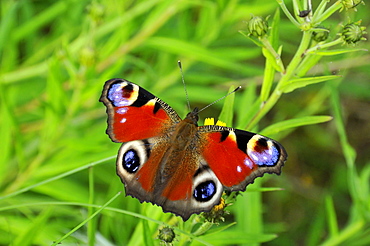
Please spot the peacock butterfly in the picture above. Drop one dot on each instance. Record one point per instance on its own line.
(175, 163)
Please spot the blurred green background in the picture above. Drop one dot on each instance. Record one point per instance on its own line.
(55, 58)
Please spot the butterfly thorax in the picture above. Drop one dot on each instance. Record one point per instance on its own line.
(181, 141)
(185, 132)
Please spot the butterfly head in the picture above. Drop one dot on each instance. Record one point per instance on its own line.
(193, 117)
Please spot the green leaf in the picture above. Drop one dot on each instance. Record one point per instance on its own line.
(274, 32)
(195, 51)
(331, 216)
(335, 52)
(220, 228)
(293, 84)
(254, 40)
(7, 24)
(147, 234)
(235, 237)
(348, 151)
(248, 105)
(30, 234)
(254, 225)
(319, 10)
(8, 127)
(364, 181)
(271, 58)
(268, 78)
(292, 123)
(271, 64)
(42, 19)
(227, 111)
(85, 221)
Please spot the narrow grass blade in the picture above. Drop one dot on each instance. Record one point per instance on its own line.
(248, 105)
(148, 237)
(331, 216)
(336, 52)
(56, 178)
(271, 63)
(6, 25)
(302, 82)
(29, 235)
(227, 112)
(293, 123)
(86, 220)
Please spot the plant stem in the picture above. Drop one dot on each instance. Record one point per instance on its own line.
(287, 13)
(306, 39)
(277, 57)
(290, 72)
(323, 46)
(330, 11)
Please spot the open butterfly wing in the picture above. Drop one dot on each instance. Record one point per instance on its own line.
(134, 113)
(237, 157)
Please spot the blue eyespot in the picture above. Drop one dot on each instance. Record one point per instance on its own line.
(205, 191)
(131, 161)
(265, 157)
(119, 96)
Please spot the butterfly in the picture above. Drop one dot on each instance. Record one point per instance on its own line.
(173, 162)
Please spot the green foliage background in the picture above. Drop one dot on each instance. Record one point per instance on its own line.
(57, 164)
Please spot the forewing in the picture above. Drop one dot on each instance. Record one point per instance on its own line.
(134, 113)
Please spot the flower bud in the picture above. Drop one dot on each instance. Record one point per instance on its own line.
(257, 27)
(166, 235)
(353, 32)
(349, 4)
(320, 34)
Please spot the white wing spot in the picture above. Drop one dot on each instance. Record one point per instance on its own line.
(254, 156)
(248, 163)
(239, 169)
(122, 110)
(123, 102)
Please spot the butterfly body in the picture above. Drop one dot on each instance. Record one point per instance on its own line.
(175, 163)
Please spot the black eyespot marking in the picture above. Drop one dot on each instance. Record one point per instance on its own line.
(129, 87)
(262, 142)
(205, 191)
(131, 161)
(224, 135)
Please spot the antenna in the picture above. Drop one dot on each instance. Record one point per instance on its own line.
(237, 88)
(183, 82)
(186, 92)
